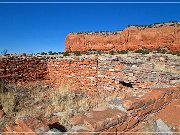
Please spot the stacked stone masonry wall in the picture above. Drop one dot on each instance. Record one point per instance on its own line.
(80, 74)
(22, 68)
(93, 72)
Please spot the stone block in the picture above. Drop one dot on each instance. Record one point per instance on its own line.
(146, 110)
(122, 127)
(132, 103)
(9, 129)
(1, 114)
(99, 120)
(132, 121)
(159, 104)
(110, 131)
(18, 130)
(78, 119)
(25, 127)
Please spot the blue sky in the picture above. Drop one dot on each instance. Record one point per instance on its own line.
(33, 28)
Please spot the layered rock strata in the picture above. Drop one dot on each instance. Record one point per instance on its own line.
(131, 38)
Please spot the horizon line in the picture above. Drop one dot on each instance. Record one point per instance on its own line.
(123, 2)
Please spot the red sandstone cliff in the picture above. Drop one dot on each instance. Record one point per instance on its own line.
(131, 38)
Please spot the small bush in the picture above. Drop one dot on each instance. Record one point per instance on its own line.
(87, 52)
(174, 53)
(66, 54)
(123, 52)
(77, 53)
(161, 50)
(99, 52)
(55, 53)
(143, 51)
(112, 52)
(43, 53)
(32, 100)
(60, 52)
(50, 52)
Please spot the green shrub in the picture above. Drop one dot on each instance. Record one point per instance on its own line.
(123, 52)
(99, 52)
(66, 54)
(143, 51)
(55, 53)
(50, 52)
(43, 53)
(77, 53)
(112, 52)
(60, 52)
(161, 50)
(174, 53)
(87, 52)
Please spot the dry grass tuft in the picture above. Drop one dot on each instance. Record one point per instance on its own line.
(18, 101)
(38, 99)
(69, 103)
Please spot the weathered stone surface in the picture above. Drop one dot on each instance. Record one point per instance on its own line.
(53, 132)
(122, 127)
(1, 114)
(9, 129)
(148, 127)
(17, 129)
(170, 115)
(79, 130)
(162, 128)
(22, 69)
(154, 95)
(98, 120)
(30, 125)
(131, 38)
(132, 103)
(78, 119)
(25, 127)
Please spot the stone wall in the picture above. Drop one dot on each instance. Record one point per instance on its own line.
(22, 68)
(139, 71)
(131, 38)
(79, 73)
(105, 72)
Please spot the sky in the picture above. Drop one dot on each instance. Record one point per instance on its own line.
(43, 27)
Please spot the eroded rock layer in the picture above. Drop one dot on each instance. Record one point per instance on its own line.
(131, 38)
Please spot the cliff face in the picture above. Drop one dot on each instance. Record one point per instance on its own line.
(131, 38)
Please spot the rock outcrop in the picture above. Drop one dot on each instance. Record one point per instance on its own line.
(114, 121)
(132, 38)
